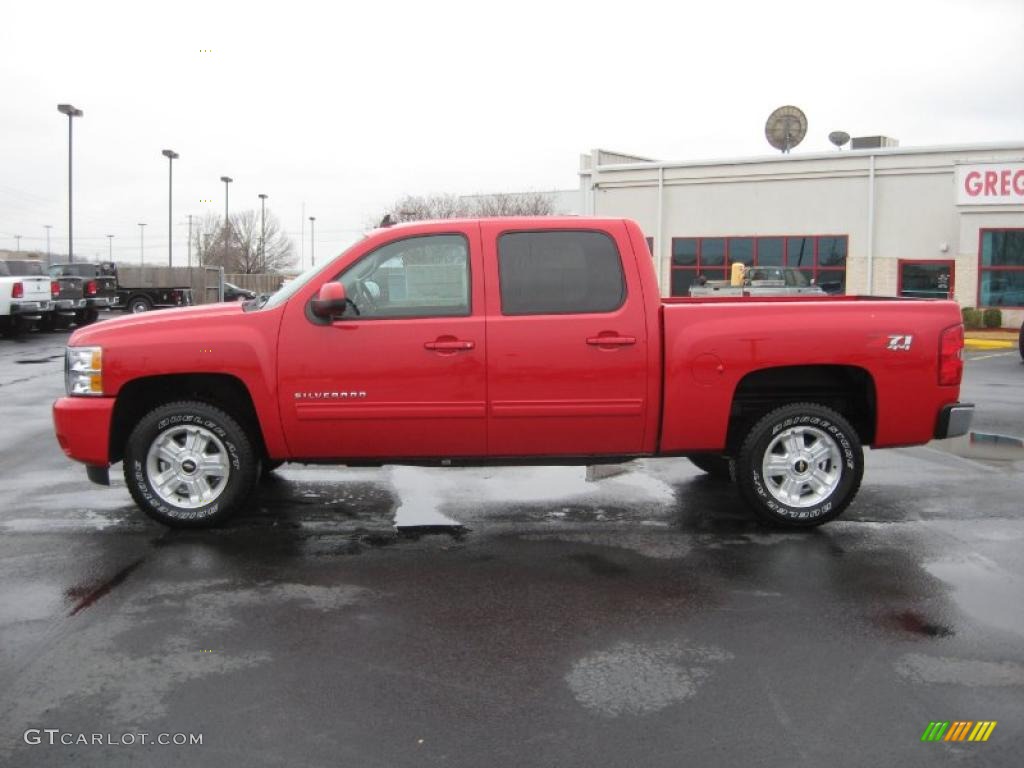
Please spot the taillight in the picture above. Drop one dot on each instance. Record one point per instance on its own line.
(17, 291)
(951, 360)
(54, 288)
(90, 288)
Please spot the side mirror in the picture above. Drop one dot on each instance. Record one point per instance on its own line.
(331, 301)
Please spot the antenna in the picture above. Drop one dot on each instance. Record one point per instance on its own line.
(839, 138)
(786, 127)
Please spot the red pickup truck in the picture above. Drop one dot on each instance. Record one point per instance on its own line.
(508, 341)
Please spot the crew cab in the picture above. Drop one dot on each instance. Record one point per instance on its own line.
(508, 341)
(23, 300)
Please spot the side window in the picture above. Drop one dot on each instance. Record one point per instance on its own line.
(425, 276)
(557, 273)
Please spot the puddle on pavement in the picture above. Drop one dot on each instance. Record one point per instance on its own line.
(983, 446)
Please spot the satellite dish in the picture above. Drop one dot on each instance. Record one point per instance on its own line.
(786, 127)
(839, 138)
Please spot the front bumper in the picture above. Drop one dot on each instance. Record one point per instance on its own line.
(82, 425)
(954, 420)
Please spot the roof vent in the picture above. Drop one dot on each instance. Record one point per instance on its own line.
(873, 142)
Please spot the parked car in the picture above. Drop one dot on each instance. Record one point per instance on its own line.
(233, 293)
(24, 301)
(522, 340)
(761, 281)
(99, 286)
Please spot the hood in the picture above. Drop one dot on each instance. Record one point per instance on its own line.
(160, 318)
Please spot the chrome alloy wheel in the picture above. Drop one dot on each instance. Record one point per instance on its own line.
(188, 466)
(802, 466)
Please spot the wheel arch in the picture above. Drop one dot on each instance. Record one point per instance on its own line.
(847, 389)
(139, 396)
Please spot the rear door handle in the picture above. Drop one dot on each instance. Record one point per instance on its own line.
(449, 346)
(611, 341)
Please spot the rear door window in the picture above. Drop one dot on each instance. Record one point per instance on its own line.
(558, 273)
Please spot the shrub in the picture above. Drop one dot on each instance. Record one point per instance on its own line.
(972, 318)
(993, 318)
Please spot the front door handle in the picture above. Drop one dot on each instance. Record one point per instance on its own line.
(611, 341)
(453, 345)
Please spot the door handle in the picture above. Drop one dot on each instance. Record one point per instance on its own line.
(449, 346)
(611, 341)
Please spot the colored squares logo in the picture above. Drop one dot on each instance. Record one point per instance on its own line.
(958, 730)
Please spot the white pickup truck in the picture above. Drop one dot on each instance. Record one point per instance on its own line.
(23, 300)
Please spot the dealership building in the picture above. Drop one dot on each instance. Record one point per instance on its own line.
(885, 220)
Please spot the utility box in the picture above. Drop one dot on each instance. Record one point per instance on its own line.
(873, 142)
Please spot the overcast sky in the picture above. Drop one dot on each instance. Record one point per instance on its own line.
(346, 106)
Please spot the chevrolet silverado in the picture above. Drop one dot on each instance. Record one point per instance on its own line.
(508, 341)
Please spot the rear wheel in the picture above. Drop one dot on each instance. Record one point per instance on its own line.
(139, 304)
(800, 466)
(718, 467)
(190, 465)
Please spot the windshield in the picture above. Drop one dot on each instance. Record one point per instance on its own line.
(289, 289)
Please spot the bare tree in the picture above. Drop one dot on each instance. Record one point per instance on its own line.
(237, 247)
(419, 207)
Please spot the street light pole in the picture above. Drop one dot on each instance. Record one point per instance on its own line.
(71, 112)
(17, 240)
(110, 247)
(171, 156)
(312, 240)
(263, 232)
(48, 227)
(142, 244)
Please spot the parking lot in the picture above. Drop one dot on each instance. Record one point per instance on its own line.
(541, 616)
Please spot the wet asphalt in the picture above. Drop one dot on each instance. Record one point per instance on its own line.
(527, 616)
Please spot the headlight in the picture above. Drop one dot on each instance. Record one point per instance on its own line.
(83, 371)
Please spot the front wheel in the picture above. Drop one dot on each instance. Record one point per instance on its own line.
(190, 465)
(800, 466)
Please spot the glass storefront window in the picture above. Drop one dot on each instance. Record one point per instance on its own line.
(1001, 266)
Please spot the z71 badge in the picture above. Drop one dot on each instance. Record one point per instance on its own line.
(900, 343)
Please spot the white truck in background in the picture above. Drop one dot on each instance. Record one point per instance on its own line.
(23, 300)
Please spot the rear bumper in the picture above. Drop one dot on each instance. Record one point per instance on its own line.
(82, 425)
(954, 420)
(32, 310)
(101, 302)
(68, 305)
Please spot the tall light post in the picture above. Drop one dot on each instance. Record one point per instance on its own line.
(171, 156)
(142, 244)
(110, 247)
(17, 241)
(47, 227)
(263, 232)
(72, 113)
(312, 240)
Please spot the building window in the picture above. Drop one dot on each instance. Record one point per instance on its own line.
(1001, 263)
(926, 279)
(821, 258)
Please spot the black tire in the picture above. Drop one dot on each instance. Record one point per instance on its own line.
(717, 467)
(241, 461)
(823, 426)
(48, 322)
(86, 316)
(139, 304)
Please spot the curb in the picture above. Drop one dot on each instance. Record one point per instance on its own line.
(988, 344)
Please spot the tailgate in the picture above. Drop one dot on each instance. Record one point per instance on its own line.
(36, 289)
(70, 287)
